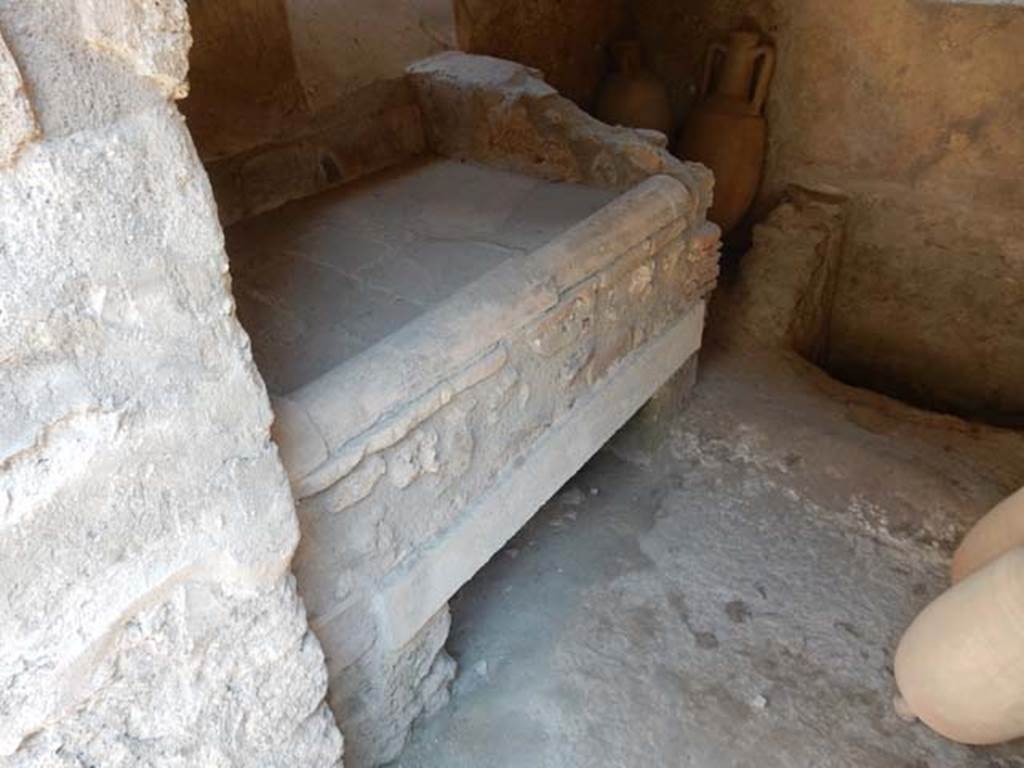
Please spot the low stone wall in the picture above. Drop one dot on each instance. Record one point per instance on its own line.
(930, 301)
(803, 284)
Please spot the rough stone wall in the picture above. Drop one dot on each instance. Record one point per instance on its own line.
(261, 69)
(146, 525)
(913, 109)
(376, 128)
(244, 85)
(565, 40)
(342, 47)
(291, 97)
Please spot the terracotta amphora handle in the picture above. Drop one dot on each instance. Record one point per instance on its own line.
(764, 79)
(709, 66)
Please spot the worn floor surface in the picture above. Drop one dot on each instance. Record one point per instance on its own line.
(724, 590)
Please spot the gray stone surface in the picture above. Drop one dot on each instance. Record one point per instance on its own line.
(85, 88)
(323, 279)
(381, 695)
(209, 675)
(146, 523)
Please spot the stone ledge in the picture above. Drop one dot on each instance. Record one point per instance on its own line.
(416, 592)
(344, 403)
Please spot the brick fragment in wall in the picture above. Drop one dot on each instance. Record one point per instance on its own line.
(154, 38)
(18, 125)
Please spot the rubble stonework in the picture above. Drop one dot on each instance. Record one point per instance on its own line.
(146, 524)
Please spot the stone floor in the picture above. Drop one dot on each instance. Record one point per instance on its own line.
(724, 589)
(322, 279)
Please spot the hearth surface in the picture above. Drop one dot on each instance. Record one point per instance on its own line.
(320, 280)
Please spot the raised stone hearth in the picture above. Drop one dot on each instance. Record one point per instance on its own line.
(448, 341)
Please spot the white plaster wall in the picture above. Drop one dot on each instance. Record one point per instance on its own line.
(147, 612)
(344, 45)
